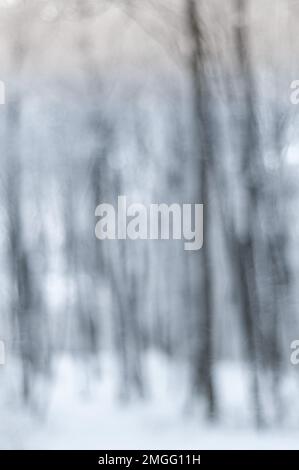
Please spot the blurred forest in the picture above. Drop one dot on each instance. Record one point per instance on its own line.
(162, 101)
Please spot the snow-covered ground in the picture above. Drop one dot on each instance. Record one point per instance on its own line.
(86, 414)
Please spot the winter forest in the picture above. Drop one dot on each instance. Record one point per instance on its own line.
(140, 343)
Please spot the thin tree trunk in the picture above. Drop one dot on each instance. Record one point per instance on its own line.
(204, 360)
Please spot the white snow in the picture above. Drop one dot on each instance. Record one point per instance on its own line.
(85, 413)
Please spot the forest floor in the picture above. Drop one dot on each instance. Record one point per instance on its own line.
(84, 413)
